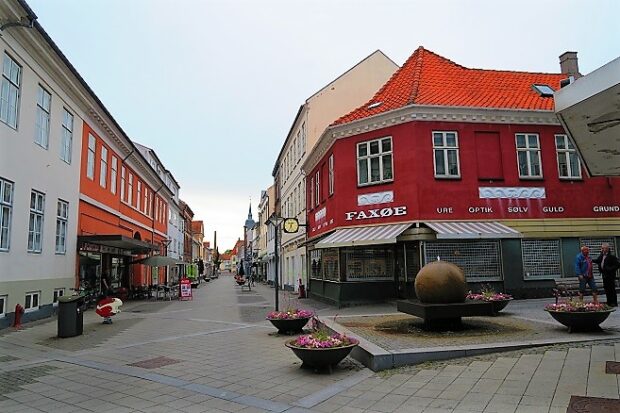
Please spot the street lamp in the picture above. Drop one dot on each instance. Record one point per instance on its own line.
(275, 220)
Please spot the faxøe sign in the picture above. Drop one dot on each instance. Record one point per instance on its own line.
(376, 213)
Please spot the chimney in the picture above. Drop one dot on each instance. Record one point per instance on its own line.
(569, 64)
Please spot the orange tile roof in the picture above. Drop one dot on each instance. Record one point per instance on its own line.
(429, 79)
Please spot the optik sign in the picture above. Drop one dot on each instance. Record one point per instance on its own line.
(376, 213)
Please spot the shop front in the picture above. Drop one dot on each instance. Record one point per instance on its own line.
(110, 259)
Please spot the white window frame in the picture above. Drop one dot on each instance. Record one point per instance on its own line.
(62, 221)
(103, 167)
(317, 187)
(113, 174)
(146, 205)
(444, 149)
(90, 161)
(7, 189)
(311, 193)
(36, 222)
(29, 307)
(4, 299)
(10, 91)
(331, 174)
(58, 292)
(42, 120)
(530, 152)
(66, 144)
(368, 157)
(139, 195)
(130, 190)
(569, 153)
(123, 179)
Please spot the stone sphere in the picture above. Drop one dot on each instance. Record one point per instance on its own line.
(440, 282)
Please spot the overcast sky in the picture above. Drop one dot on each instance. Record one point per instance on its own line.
(213, 86)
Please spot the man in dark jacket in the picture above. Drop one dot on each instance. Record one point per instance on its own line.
(608, 265)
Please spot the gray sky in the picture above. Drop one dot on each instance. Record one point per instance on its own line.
(213, 86)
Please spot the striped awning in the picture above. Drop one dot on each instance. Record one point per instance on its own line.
(472, 230)
(349, 237)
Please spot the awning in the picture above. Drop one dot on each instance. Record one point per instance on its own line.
(117, 241)
(472, 230)
(157, 261)
(349, 237)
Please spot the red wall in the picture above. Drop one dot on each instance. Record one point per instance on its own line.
(424, 196)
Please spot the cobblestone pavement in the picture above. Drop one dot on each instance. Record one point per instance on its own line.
(216, 353)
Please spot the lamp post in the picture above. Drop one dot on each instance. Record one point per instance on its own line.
(275, 220)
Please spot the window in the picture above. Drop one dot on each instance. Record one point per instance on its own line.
(130, 190)
(32, 301)
(157, 207)
(113, 173)
(42, 129)
(480, 260)
(541, 258)
(103, 170)
(35, 225)
(123, 173)
(331, 174)
(317, 187)
(528, 155)
(311, 193)
(374, 161)
(58, 292)
(303, 137)
(543, 90)
(66, 144)
(90, 162)
(367, 264)
(9, 91)
(3, 300)
(139, 195)
(62, 216)
(147, 206)
(569, 166)
(446, 154)
(6, 212)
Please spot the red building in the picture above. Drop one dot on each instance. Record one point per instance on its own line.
(468, 165)
(123, 212)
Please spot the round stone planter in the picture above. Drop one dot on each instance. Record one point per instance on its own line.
(580, 320)
(289, 325)
(320, 358)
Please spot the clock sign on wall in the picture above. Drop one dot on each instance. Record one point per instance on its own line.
(291, 225)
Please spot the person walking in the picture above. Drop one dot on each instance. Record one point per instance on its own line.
(608, 264)
(583, 269)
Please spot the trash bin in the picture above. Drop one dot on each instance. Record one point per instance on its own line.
(70, 316)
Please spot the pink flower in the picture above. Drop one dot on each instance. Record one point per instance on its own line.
(291, 314)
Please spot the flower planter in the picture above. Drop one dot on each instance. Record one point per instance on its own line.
(289, 325)
(320, 358)
(580, 320)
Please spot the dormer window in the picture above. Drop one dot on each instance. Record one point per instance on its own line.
(544, 91)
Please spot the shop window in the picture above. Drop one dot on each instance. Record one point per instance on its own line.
(569, 166)
(58, 292)
(528, 155)
(479, 260)
(42, 127)
(330, 264)
(3, 304)
(374, 162)
(369, 264)
(541, 258)
(315, 264)
(31, 303)
(6, 212)
(595, 248)
(446, 154)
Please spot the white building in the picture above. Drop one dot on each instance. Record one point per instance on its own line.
(41, 110)
(350, 90)
(174, 248)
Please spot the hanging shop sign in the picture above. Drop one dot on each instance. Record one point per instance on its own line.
(186, 289)
(376, 213)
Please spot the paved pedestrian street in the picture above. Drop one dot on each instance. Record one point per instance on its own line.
(217, 353)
